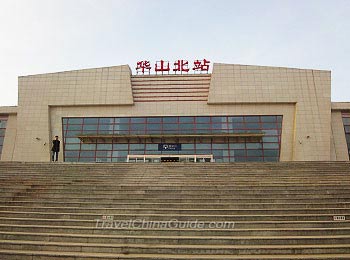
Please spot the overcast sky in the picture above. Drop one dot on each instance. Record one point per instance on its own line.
(42, 36)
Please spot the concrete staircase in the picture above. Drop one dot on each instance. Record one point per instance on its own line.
(233, 211)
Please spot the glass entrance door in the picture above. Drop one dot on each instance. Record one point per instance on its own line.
(170, 158)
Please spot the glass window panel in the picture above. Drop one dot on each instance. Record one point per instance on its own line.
(240, 159)
(220, 146)
(270, 139)
(2, 140)
(137, 151)
(87, 153)
(71, 159)
(203, 131)
(64, 121)
(122, 120)
(237, 126)
(252, 125)
(103, 154)
(72, 146)
(203, 126)
(104, 146)
(2, 132)
(187, 146)
(347, 129)
(204, 151)
(167, 120)
(103, 159)
(137, 146)
(151, 146)
(237, 146)
(157, 127)
(152, 152)
(189, 119)
(87, 159)
(138, 120)
(203, 146)
(218, 119)
(72, 140)
(121, 127)
(186, 126)
(270, 132)
(119, 159)
(271, 159)
(91, 121)
(74, 127)
(172, 127)
(254, 152)
(237, 152)
(254, 145)
(203, 119)
(134, 127)
(117, 132)
(119, 153)
(271, 153)
(250, 119)
(154, 120)
(107, 121)
(219, 126)
(90, 127)
(88, 146)
(269, 125)
(187, 152)
(120, 146)
(268, 119)
(271, 145)
(235, 119)
(73, 133)
(105, 127)
(78, 121)
(225, 159)
(254, 159)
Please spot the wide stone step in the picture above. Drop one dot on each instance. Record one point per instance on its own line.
(237, 224)
(176, 228)
(161, 217)
(176, 211)
(40, 255)
(175, 240)
(191, 205)
(174, 249)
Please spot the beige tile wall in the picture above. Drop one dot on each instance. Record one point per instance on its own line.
(309, 89)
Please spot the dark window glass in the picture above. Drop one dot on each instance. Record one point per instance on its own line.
(237, 149)
(186, 120)
(168, 120)
(202, 119)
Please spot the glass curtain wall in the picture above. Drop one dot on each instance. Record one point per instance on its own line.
(228, 150)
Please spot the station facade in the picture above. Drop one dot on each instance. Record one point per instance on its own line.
(236, 113)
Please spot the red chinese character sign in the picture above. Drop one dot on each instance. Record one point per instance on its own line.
(180, 66)
(201, 65)
(143, 66)
(162, 66)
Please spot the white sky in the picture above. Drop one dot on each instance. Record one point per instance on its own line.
(42, 36)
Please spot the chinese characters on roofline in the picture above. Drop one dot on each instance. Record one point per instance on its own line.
(180, 66)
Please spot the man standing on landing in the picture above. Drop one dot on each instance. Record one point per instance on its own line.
(55, 148)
